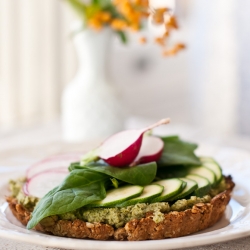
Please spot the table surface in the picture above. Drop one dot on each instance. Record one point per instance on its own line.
(24, 147)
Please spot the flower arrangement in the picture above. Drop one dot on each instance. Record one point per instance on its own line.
(127, 15)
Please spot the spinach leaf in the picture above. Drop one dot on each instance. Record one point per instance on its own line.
(172, 172)
(142, 174)
(80, 188)
(178, 152)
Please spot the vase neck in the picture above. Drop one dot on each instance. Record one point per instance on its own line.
(92, 49)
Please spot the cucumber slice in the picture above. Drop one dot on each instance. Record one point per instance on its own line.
(190, 188)
(206, 158)
(214, 166)
(204, 172)
(149, 192)
(184, 184)
(119, 195)
(203, 184)
(172, 187)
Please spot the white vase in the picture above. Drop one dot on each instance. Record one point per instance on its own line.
(91, 103)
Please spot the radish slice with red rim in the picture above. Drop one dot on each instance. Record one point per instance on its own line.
(56, 162)
(122, 148)
(151, 149)
(42, 183)
(118, 150)
(25, 190)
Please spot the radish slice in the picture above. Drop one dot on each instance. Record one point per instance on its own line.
(25, 189)
(151, 149)
(42, 183)
(57, 163)
(122, 148)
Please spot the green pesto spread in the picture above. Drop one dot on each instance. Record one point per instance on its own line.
(16, 188)
(184, 204)
(222, 186)
(118, 216)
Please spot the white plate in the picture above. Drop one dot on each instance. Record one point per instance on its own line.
(235, 223)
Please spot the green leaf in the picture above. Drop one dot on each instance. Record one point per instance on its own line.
(122, 36)
(78, 6)
(172, 172)
(96, 2)
(178, 152)
(81, 187)
(74, 165)
(102, 3)
(142, 174)
(89, 157)
(115, 182)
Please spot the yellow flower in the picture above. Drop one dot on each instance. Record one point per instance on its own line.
(118, 24)
(134, 27)
(171, 23)
(160, 41)
(104, 16)
(121, 15)
(173, 51)
(95, 23)
(142, 40)
(158, 16)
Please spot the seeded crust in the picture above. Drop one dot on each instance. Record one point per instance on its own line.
(175, 224)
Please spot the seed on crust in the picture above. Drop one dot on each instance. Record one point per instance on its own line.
(120, 234)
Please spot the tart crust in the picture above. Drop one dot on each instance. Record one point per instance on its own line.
(175, 224)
